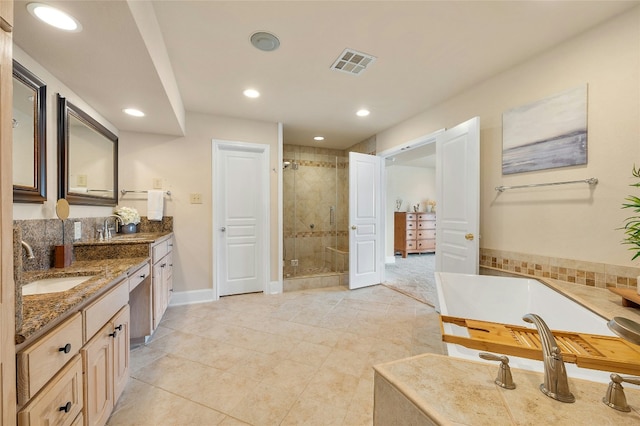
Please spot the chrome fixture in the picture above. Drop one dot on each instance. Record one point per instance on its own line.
(29, 250)
(556, 383)
(625, 328)
(504, 378)
(107, 232)
(590, 181)
(615, 397)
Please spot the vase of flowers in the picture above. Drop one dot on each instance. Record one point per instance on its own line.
(431, 205)
(130, 219)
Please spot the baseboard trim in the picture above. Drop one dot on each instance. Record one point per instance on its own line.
(390, 259)
(191, 297)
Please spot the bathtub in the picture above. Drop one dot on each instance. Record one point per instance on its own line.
(507, 300)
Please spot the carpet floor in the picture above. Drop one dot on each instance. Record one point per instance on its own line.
(414, 276)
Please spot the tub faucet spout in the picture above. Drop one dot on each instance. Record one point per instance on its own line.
(556, 384)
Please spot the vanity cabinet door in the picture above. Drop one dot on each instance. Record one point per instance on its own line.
(97, 360)
(120, 351)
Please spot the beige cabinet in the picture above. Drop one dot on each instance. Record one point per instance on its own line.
(106, 368)
(61, 400)
(162, 278)
(414, 233)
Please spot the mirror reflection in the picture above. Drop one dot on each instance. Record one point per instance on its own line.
(29, 141)
(88, 158)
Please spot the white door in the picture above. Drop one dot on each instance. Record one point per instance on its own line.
(241, 208)
(458, 194)
(365, 220)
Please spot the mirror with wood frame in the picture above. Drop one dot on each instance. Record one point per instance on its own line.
(87, 158)
(29, 137)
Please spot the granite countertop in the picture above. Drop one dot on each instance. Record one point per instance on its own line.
(446, 390)
(137, 238)
(40, 311)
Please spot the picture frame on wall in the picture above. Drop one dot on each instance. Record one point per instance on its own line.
(546, 134)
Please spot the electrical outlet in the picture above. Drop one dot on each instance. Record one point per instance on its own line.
(294, 262)
(157, 183)
(77, 230)
(195, 198)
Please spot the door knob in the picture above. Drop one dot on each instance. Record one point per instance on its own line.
(354, 227)
(223, 229)
(469, 237)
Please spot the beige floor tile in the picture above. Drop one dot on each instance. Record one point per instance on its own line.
(297, 358)
(143, 404)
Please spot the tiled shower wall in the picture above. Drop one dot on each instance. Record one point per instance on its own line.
(574, 271)
(320, 181)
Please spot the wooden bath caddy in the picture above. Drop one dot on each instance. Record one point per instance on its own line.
(630, 296)
(592, 351)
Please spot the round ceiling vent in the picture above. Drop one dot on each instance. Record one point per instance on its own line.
(264, 41)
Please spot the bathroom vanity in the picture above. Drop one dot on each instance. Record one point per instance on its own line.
(72, 349)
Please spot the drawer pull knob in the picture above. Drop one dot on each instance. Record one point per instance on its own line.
(66, 348)
(119, 327)
(142, 276)
(66, 407)
(114, 334)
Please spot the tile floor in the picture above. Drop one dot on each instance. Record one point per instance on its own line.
(298, 358)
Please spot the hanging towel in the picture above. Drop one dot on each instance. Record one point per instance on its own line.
(155, 204)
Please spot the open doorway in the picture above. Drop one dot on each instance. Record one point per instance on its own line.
(411, 208)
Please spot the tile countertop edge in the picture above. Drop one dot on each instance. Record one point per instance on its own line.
(56, 307)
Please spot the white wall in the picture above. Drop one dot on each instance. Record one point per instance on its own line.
(414, 185)
(184, 165)
(22, 211)
(569, 221)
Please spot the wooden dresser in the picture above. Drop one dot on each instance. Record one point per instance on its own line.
(414, 233)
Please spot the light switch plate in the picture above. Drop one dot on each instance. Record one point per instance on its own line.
(157, 183)
(77, 230)
(195, 198)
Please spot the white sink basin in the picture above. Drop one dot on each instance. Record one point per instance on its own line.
(52, 285)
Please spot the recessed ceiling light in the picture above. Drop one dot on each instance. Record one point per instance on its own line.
(265, 41)
(318, 138)
(251, 93)
(54, 17)
(363, 113)
(134, 112)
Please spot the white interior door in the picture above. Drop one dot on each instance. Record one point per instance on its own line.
(366, 254)
(241, 206)
(458, 193)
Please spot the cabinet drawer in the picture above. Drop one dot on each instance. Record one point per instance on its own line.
(426, 244)
(159, 250)
(138, 276)
(411, 235)
(40, 361)
(60, 401)
(411, 224)
(101, 311)
(427, 216)
(426, 224)
(411, 216)
(411, 245)
(426, 234)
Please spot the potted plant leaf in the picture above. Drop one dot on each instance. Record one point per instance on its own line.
(632, 223)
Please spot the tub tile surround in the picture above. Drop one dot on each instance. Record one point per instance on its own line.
(436, 389)
(591, 274)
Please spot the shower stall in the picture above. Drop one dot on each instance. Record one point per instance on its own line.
(316, 239)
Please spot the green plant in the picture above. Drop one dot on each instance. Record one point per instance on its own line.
(632, 223)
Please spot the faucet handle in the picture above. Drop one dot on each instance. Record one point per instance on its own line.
(504, 378)
(615, 397)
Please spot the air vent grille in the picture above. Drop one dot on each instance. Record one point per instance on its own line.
(353, 62)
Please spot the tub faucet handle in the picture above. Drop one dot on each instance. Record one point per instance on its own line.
(504, 378)
(615, 397)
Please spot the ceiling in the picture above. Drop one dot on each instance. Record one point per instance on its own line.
(168, 57)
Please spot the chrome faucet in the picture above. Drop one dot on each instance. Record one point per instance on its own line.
(28, 248)
(556, 383)
(107, 233)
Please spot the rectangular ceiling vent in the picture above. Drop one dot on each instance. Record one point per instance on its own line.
(353, 62)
